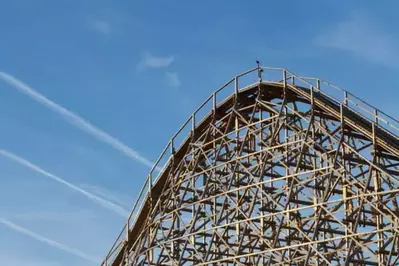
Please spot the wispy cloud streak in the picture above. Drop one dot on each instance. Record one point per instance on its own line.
(150, 61)
(172, 79)
(75, 119)
(363, 37)
(101, 26)
(117, 198)
(101, 201)
(48, 241)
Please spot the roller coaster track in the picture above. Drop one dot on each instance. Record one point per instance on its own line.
(288, 170)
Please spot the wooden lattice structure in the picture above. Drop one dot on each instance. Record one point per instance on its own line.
(285, 171)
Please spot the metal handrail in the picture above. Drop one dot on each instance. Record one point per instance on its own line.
(376, 113)
(357, 98)
(287, 76)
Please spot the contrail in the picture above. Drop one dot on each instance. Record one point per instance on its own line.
(103, 202)
(49, 242)
(75, 119)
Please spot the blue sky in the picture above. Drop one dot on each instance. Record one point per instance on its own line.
(135, 70)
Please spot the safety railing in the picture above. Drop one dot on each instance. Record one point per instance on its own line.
(351, 101)
(261, 74)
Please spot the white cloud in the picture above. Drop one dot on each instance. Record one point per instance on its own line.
(76, 120)
(364, 38)
(48, 241)
(150, 61)
(172, 79)
(113, 196)
(101, 26)
(102, 201)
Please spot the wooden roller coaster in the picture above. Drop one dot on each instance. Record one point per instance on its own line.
(285, 171)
